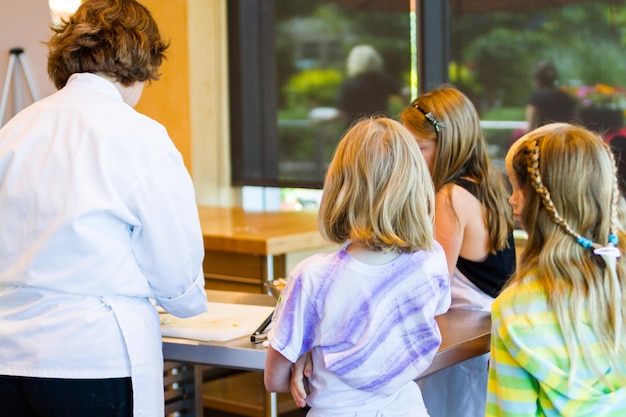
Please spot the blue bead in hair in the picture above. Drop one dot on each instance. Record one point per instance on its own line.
(584, 242)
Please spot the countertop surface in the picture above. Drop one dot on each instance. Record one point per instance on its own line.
(232, 229)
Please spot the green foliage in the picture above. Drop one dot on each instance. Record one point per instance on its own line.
(464, 78)
(585, 41)
(494, 57)
(504, 114)
(296, 143)
(313, 88)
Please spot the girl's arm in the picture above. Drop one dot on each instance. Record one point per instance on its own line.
(277, 376)
(448, 230)
(459, 225)
(301, 371)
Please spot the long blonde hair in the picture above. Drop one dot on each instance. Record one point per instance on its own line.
(378, 190)
(572, 206)
(462, 152)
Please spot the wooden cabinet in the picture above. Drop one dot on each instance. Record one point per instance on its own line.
(243, 393)
(228, 271)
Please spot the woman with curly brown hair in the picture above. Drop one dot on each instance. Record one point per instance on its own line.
(98, 218)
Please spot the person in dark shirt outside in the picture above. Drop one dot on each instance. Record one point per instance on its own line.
(548, 103)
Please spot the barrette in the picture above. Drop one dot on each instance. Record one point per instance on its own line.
(431, 117)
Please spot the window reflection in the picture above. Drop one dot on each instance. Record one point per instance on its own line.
(313, 41)
(493, 54)
(493, 48)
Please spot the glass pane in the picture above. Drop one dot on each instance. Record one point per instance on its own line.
(494, 52)
(313, 41)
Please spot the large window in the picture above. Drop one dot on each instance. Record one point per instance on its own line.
(291, 83)
(288, 69)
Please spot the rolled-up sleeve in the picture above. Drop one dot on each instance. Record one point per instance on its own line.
(167, 241)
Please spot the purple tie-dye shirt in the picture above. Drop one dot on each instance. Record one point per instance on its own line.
(371, 327)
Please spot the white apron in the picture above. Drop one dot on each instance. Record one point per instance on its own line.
(140, 326)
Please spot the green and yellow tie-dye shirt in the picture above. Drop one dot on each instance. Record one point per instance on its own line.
(529, 368)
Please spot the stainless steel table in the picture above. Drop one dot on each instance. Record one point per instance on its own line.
(465, 334)
(238, 353)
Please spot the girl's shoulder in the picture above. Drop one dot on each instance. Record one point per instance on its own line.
(468, 184)
(436, 253)
(318, 260)
(525, 295)
(461, 191)
(455, 203)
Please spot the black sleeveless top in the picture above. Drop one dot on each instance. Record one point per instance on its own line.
(491, 274)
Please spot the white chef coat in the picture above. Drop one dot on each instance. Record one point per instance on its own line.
(97, 215)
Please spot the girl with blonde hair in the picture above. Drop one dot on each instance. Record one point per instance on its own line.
(473, 223)
(358, 310)
(558, 328)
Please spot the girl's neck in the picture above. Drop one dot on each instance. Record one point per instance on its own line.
(369, 256)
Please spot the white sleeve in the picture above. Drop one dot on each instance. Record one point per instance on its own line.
(167, 242)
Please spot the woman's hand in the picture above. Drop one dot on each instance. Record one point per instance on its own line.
(300, 372)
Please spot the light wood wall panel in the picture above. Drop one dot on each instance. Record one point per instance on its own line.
(167, 100)
(191, 98)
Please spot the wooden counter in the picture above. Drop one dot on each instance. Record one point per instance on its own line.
(231, 229)
(243, 249)
(465, 334)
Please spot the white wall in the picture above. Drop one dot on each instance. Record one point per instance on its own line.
(24, 24)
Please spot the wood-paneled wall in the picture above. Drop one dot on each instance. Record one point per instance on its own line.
(191, 98)
(167, 100)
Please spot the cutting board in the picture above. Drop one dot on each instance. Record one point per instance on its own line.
(221, 322)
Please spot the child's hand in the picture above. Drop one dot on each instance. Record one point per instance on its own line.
(300, 371)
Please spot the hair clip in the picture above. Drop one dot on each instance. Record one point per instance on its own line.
(431, 117)
(607, 251)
